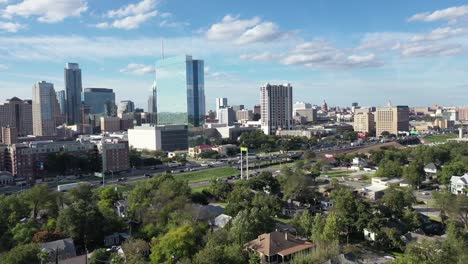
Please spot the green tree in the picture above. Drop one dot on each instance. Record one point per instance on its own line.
(270, 202)
(395, 200)
(455, 168)
(22, 254)
(249, 223)
(389, 169)
(303, 223)
(220, 189)
(176, 244)
(331, 229)
(414, 174)
(40, 197)
(100, 255)
(135, 250)
(23, 233)
(239, 199)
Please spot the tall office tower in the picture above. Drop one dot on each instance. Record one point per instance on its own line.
(195, 91)
(364, 122)
(96, 99)
(226, 116)
(43, 109)
(110, 109)
(153, 104)
(220, 103)
(17, 113)
(62, 100)
(257, 109)
(73, 89)
(126, 106)
(237, 107)
(276, 107)
(391, 119)
(184, 79)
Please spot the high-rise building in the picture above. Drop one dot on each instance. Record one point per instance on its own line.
(184, 78)
(364, 122)
(9, 135)
(257, 109)
(244, 115)
(391, 119)
(17, 113)
(463, 113)
(62, 100)
(73, 89)
(126, 106)
(276, 108)
(96, 99)
(226, 116)
(153, 104)
(237, 107)
(220, 103)
(44, 110)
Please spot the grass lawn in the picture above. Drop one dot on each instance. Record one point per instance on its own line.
(199, 189)
(284, 220)
(207, 175)
(439, 138)
(337, 173)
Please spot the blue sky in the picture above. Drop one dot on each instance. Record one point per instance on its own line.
(410, 52)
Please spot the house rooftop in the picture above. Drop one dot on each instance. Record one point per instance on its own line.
(278, 243)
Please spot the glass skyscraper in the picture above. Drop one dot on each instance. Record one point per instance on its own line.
(181, 94)
(62, 100)
(96, 98)
(73, 89)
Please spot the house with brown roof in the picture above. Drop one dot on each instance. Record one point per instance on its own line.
(278, 247)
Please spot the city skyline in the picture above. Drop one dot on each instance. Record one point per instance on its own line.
(370, 52)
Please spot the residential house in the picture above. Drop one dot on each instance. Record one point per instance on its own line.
(419, 236)
(278, 247)
(376, 189)
(220, 221)
(431, 170)
(115, 239)
(197, 150)
(358, 163)
(459, 184)
(60, 249)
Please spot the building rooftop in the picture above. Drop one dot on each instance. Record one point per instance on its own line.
(278, 243)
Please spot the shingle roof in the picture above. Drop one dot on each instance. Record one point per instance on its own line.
(278, 243)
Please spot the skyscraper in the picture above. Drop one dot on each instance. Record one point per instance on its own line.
(96, 99)
(62, 100)
(73, 89)
(153, 104)
(17, 113)
(276, 107)
(183, 78)
(220, 103)
(44, 109)
(126, 106)
(195, 91)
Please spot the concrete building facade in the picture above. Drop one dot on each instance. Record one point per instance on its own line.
(160, 137)
(44, 110)
(364, 122)
(276, 108)
(391, 119)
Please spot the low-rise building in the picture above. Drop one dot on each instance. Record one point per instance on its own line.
(278, 247)
(160, 137)
(376, 189)
(459, 184)
(6, 178)
(115, 154)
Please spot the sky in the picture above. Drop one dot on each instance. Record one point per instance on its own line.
(410, 52)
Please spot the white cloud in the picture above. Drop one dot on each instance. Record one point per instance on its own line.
(3, 67)
(172, 24)
(265, 56)
(47, 11)
(450, 14)
(130, 16)
(138, 69)
(440, 33)
(321, 53)
(142, 7)
(11, 27)
(243, 31)
(430, 49)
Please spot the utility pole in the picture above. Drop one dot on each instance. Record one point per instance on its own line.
(241, 165)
